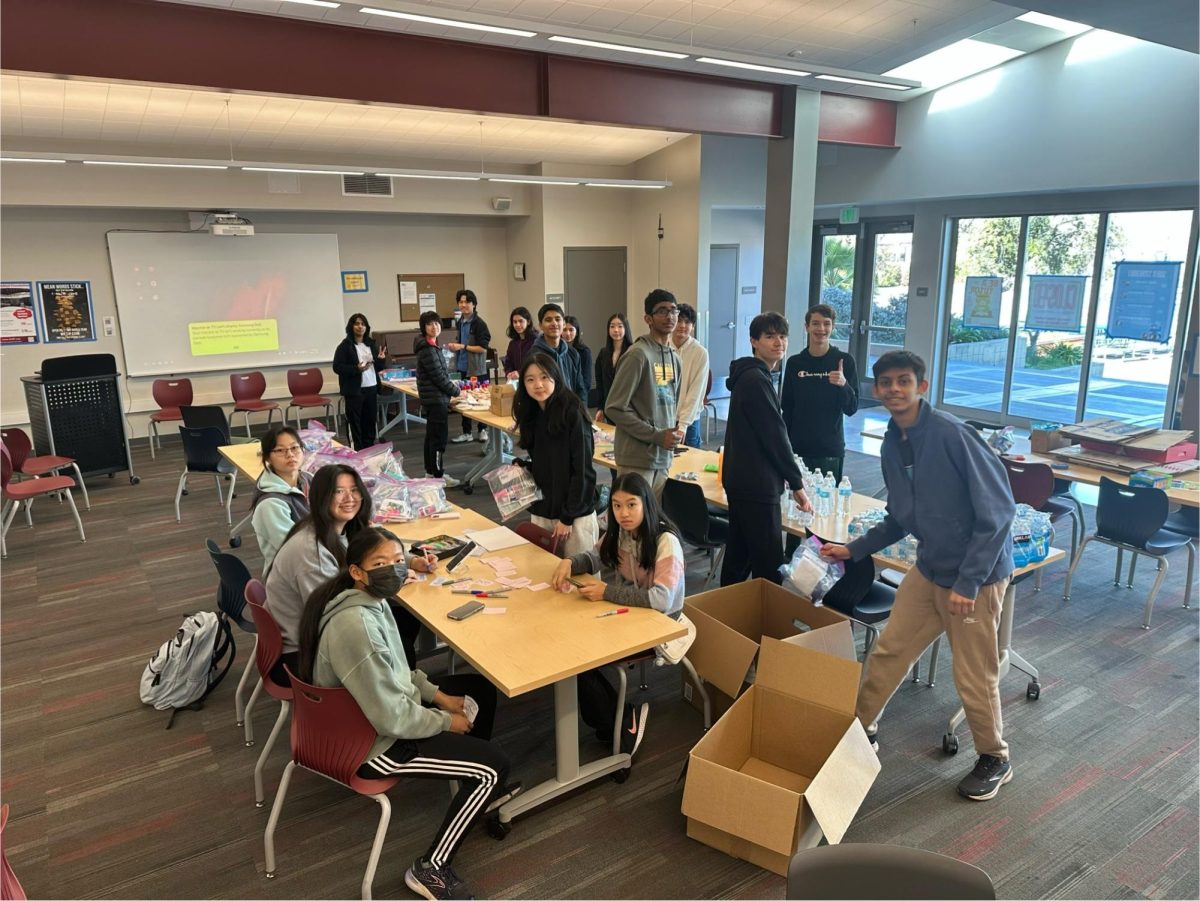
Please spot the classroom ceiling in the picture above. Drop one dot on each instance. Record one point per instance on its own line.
(1175, 23)
(39, 113)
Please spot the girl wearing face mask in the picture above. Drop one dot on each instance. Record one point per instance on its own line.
(618, 341)
(642, 550)
(349, 640)
(314, 550)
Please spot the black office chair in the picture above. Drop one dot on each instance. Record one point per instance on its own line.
(231, 599)
(684, 504)
(862, 598)
(1132, 518)
(207, 417)
(201, 456)
(883, 871)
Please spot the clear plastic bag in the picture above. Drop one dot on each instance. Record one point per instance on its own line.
(808, 573)
(427, 497)
(390, 501)
(513, 488)
(315, 437)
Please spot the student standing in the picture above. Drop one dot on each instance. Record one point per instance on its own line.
(573, 335)
(554, 428)
(642, 400)
(356, 360)
(521, 335)
(474, 339)
(552, 343)
(617, 342)
(435, 389)
(281, 492)
(642, 547)
(348, 640)
(694, 357)
(820, 387)
(758, 458)
(947, 489)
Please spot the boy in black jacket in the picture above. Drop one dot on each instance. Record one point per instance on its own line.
(758, 458)
(435, 389)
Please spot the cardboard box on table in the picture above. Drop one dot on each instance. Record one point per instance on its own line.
(730, 625)
(502, 399)
(789, 760)
(1042, 441)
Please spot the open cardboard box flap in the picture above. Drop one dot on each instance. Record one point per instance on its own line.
(815, 676)
(720, 654)
(840, 787)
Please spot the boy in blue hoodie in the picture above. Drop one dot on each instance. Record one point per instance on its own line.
(948, 490)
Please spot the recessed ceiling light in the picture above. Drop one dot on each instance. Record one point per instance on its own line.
(867, 82)
(534, 181)
(774, 70)
(299, 171)
(954, 62)
(151, 165)
(26, 159)
(430, 175)
(622, 48)
(1066, 26)
(450, 23)
(328, 4)
(620, 184)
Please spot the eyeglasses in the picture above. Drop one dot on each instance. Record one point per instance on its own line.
(341, 493)
(665, 311)
(289, 451)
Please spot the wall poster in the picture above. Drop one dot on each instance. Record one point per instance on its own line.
(67, 311)
(18, 318)
(981, 301)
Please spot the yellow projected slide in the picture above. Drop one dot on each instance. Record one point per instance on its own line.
(233, 336)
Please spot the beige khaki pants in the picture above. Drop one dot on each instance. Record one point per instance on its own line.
(585, 532)
(922, 613)
(655, 478)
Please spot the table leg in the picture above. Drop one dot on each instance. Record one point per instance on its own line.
(568, 775)
(494, 458)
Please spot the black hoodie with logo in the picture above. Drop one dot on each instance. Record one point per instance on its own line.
(758, 454)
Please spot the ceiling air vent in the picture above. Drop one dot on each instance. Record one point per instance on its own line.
(366, 185)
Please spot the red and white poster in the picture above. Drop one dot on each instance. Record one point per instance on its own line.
(18, 322)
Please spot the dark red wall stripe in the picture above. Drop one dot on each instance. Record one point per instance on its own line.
(857, 120)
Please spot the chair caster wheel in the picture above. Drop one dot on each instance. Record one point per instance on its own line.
(497, 830)
(249, 744)
(1033, 691)
(133, 480)
(236, 541)
(241, 723)
(621, 776)
(270, 874)
(184, 492)
(949, 743)
(467, 489)
(259, 803)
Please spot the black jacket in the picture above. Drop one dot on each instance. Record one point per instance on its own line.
(562, 467)
(345, 364)
(433, 379)
(813, 408)
(605, 371)
(585, 372)
(758, 456)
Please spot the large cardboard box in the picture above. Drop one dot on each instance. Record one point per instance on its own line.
(502, 399)
(1042, 441)
(731, 623)
(789, 760)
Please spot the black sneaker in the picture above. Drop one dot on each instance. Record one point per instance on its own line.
(983, 782)
(632, 735)
(435, 883)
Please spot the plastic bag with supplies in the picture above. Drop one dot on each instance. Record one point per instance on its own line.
(808, 573)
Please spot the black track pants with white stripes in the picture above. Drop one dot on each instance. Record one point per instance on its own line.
(479, 766)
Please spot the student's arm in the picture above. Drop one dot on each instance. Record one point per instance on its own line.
(381, 690)
(695, 378)
(345, 360)
(435, 372)
(480, 335)
(789, 396)
(771, 433)
(850, 389)
(882, 535)
(619, 408)
(664, 582)
(375, 358)
(580, 448)
(585, 563)
(992, 502)
(271, 522)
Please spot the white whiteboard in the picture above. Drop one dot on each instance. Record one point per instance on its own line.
(200, 303)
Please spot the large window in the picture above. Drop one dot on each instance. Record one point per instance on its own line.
(1027, 330)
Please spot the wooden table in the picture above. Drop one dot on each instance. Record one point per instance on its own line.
(545, 637)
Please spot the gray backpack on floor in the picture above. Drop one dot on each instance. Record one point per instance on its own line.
(189, 665)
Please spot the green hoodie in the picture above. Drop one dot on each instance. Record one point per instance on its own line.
(360, 650)
(641, 403)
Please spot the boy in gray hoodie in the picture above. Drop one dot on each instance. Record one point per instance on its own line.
(642, 401)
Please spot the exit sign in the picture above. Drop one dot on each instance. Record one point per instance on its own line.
(848, 215)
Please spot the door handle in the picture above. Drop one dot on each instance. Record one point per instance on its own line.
(862, 326)
(730, 325)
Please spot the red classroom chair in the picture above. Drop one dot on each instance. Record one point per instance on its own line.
(20, 449)
(267, 651)
(305, 386)
(535, 534)
(170, 395)
(247, 389)
(17, 492)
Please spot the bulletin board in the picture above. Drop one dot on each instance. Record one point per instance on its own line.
(413, 288)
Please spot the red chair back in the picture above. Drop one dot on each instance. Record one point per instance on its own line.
(305, 382)
(1031, 483)
(6, 466)
(537, 535)
(19, 446)
(331, 736)
(171, 394)
(247, 385)
(269, 648)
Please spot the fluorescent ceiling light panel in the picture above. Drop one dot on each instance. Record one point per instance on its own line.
(431, 175)
(621, 184)
(151, 165)
(26, 159)
(533, 181)
(867, 82)
(601, 45)
(954, 62)
(300, 171)
(328, 4)
(1066, 26)
(754, 67)
(451, 23)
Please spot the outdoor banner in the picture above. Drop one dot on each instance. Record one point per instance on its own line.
(18, 321)
(1055, 303)
(981, 301)
(67, 311)
(1143, 300)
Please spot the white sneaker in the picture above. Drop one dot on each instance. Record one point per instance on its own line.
(460, 439)
(483, 436)
(450, 481)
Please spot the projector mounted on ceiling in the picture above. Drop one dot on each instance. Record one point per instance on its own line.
(230, 224)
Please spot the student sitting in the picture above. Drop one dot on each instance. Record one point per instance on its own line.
(642, 547)
(281, 492)
(349, 640)
(315, 549)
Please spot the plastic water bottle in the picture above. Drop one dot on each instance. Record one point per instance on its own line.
(844, 491)
(824, 499)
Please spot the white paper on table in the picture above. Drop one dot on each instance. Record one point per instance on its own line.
(540, 586)
(496, 539)
(494, 610)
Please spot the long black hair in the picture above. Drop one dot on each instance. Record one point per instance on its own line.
(654, 523)
(359, 549)
(320, 499)
(350, 327)
(531, 330)
(270, 439)
(626, 342)
(561, 407)
(578, 342)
